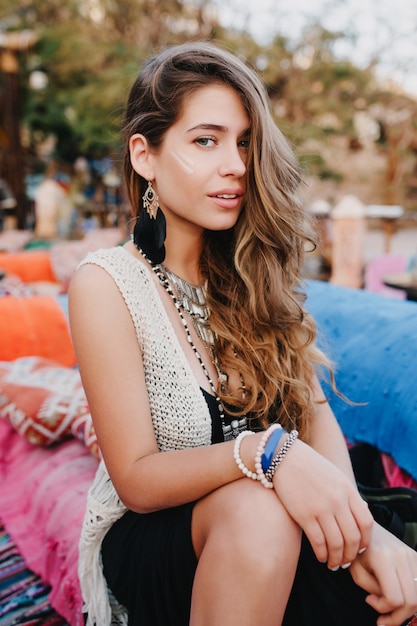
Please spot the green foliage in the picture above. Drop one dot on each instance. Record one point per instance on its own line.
(91, 51)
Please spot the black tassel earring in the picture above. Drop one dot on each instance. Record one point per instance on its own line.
(150, 228)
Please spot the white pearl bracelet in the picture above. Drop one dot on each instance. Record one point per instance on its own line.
(236, 455)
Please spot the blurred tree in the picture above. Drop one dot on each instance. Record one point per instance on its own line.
(318, 99)
(90, 50)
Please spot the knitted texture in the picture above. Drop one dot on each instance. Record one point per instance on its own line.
(179, 413)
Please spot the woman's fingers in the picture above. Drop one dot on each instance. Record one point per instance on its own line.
(355, 530)
(332, 547)
(363, 518)
(364, 579)
(336, 538)
(317, 540)
(399, 594)
(387, 571)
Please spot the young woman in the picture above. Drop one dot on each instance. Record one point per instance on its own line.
(226, 495)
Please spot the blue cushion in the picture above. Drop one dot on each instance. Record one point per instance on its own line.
(372, 340)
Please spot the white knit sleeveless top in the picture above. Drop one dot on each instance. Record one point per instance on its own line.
(179, 412)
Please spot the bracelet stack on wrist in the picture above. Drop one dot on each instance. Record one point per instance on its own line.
(279, 457)
(267, 459)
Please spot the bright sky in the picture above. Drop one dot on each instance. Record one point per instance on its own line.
(383, 28)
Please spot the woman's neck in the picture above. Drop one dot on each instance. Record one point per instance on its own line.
(183, 258)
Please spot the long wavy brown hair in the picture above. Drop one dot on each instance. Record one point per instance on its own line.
(254, 270)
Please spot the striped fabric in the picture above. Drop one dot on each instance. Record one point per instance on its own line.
(23, 596)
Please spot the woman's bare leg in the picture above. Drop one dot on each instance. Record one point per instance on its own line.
(248, 549)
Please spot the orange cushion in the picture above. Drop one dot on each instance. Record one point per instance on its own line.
(30, 265)
(34, 326)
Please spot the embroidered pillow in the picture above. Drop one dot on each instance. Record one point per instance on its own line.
(45, 402)
(82, 428)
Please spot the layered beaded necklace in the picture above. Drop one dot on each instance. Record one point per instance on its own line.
(192, 299)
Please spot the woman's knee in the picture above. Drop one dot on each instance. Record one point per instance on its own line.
(248, 520)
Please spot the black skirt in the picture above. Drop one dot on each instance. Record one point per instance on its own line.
(149, 564)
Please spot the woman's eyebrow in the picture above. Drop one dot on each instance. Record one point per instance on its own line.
(206, 126)
(215, 127)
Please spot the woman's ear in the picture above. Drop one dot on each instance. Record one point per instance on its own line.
(141, 156)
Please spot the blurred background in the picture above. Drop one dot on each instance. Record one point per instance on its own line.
(341, 75)
(342, 78)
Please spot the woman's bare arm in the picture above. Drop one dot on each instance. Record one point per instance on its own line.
(111, 368)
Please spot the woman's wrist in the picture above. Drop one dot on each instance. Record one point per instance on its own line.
(258, 456)
(266, 452)
(247, 449)
(246, 471)
(280, 455)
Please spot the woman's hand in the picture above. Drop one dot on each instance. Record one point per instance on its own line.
(388, 572)
(326, 505)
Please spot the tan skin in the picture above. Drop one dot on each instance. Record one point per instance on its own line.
(199, 175)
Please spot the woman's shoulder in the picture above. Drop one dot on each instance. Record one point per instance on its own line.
(107, 272)
(117, 255)
(118, 262)
(118, 266)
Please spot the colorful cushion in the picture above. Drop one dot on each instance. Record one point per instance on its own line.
(82, 428)
(28, 265)
(45, 402)
(35, 325)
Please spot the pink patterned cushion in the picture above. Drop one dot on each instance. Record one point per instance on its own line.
(45, 402)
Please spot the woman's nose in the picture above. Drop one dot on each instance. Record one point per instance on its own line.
(234, 163)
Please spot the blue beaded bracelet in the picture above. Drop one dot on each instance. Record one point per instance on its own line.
(270, 447)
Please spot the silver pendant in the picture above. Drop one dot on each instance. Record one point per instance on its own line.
(232, 430)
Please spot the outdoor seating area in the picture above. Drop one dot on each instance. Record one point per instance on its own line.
(32, 266)
(48, 449)
(204, 161)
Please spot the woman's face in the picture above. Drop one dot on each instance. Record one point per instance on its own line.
(199, 172)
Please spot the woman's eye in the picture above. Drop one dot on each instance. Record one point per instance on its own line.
(244, 143)
(205, 141)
